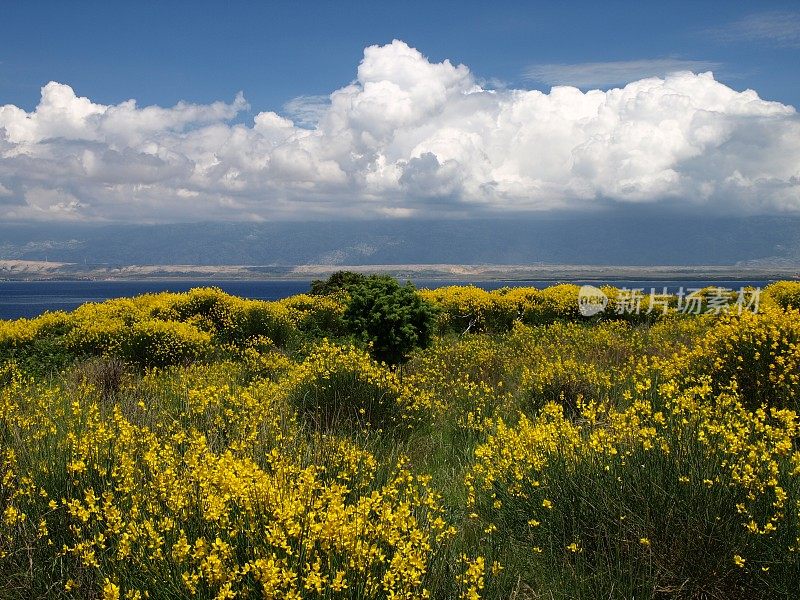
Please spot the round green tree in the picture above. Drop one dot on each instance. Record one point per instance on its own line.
(339, 282)
(392, 318)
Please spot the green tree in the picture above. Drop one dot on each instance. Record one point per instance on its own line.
(340, 281)
(394, 319)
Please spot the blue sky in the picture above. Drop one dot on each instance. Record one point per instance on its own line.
(191, 111)
(163, 52)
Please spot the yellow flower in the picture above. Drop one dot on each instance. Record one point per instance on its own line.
(110, 590)
(12, 516)
(338, 583)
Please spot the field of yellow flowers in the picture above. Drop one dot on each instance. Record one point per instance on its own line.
(204, 446)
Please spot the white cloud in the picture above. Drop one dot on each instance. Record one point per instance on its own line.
(603, 74)
(307, 110)
(776, 28)
(406, 137)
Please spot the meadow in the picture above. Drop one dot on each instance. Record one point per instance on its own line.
(200, 445)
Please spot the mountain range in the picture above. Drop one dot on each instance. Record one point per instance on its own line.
(608, 239)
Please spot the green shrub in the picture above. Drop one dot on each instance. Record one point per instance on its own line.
(339, 282)
(391, 318)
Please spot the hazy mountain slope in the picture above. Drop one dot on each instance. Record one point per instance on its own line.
(606, 240)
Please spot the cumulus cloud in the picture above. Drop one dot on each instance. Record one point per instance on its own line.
(307, 111)
(406, 137)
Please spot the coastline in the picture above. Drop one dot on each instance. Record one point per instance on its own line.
(15, 270)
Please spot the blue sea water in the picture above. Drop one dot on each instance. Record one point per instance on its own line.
(32, 298)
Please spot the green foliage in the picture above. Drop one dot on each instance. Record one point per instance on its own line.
(391, 318)
(341, 281)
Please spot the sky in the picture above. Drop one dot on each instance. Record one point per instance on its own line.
(174, 111)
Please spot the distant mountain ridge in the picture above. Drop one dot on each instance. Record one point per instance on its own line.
(618, 239)
(26, 270)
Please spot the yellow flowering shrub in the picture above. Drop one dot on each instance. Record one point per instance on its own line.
(338, 385)
(552, 303)
(18, 333)
(96, 336)
(211, 305)
(671, 475)
(147, 503)
(157, 343)
(229, 318)
(564, 380)
(159, 329)
(316, 314)
(471, 309)
(465, 376)
(760, 352)
(541, 455)
(785, 294)
(256, 318)
(266, 362)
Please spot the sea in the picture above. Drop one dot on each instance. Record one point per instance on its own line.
(32, 298)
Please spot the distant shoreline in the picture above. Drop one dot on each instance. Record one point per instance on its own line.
(17, 270)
